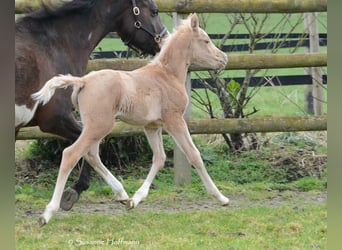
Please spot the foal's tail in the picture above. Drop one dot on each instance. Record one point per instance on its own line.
(62, 81)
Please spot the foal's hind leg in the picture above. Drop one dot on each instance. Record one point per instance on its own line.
(178, 129)
(155, 140)
(94, 160)
(71, 155)
(56, 117)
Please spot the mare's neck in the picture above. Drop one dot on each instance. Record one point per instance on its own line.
(176, 56)
(78, 34)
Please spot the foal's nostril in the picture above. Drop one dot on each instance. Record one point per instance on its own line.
(222, 57)
(225, 58)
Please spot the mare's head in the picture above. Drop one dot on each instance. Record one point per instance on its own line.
(140, 26)
(204, 53)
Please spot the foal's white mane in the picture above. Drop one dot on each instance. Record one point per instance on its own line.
(184, 24)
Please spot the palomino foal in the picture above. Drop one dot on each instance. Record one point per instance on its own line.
(153, 96)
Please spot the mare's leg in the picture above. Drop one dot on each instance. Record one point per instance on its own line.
(71, 155)
(56, 117)
(72, 194)
(155, 140)
(94, 160)
(178, 129)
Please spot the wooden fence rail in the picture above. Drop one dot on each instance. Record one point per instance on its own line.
(213, 126)
(209, 6)
(248, 61)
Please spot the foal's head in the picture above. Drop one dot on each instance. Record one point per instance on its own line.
(204, 52)
(140, 24)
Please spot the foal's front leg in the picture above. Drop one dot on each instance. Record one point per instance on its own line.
(178, 129)
(154, 137)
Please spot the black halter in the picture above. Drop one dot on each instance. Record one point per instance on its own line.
(138, 25)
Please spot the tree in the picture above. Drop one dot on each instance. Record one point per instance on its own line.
(232, 95)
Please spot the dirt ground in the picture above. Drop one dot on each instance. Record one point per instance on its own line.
(297, 201)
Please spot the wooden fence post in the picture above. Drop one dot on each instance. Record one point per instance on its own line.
(314, 92)
(182, 168)
(308, 99)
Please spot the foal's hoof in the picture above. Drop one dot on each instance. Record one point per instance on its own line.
(124, 202)
(225, 203)
(41, 221)
(130, 204)
(70, 196)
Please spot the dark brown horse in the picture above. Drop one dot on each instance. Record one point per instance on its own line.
(50, 42)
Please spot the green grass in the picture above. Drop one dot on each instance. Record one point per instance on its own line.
(264, 165)
(265, 212)
(269, 101)
(166, 220)
(248, 228)
(163, 222)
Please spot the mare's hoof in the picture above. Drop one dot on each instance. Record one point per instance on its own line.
(41, 221)
(130, 204)
(70, 196)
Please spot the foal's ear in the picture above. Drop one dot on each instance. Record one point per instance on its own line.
(194, 21)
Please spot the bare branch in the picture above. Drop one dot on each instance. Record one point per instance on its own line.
(269, 80)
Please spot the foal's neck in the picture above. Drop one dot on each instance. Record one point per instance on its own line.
(176, 55)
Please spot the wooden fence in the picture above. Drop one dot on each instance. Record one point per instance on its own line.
(213, 126)
(210, 6)
(243, 61)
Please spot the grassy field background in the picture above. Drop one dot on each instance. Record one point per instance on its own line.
(278, 193)
(267, 211)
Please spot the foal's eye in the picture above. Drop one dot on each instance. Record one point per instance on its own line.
(155, 12)
(206, 41)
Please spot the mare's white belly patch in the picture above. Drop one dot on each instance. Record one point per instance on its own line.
(23, 114)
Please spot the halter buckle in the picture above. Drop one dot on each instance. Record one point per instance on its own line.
(136, 11)
(137, 24)
(157, 38)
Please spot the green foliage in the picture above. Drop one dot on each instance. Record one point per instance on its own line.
(48, 149)
(233, 88)
(247, 167)
(268, 165)
(118, 153)
(263, 166)
(295, 139)
(309, 183)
